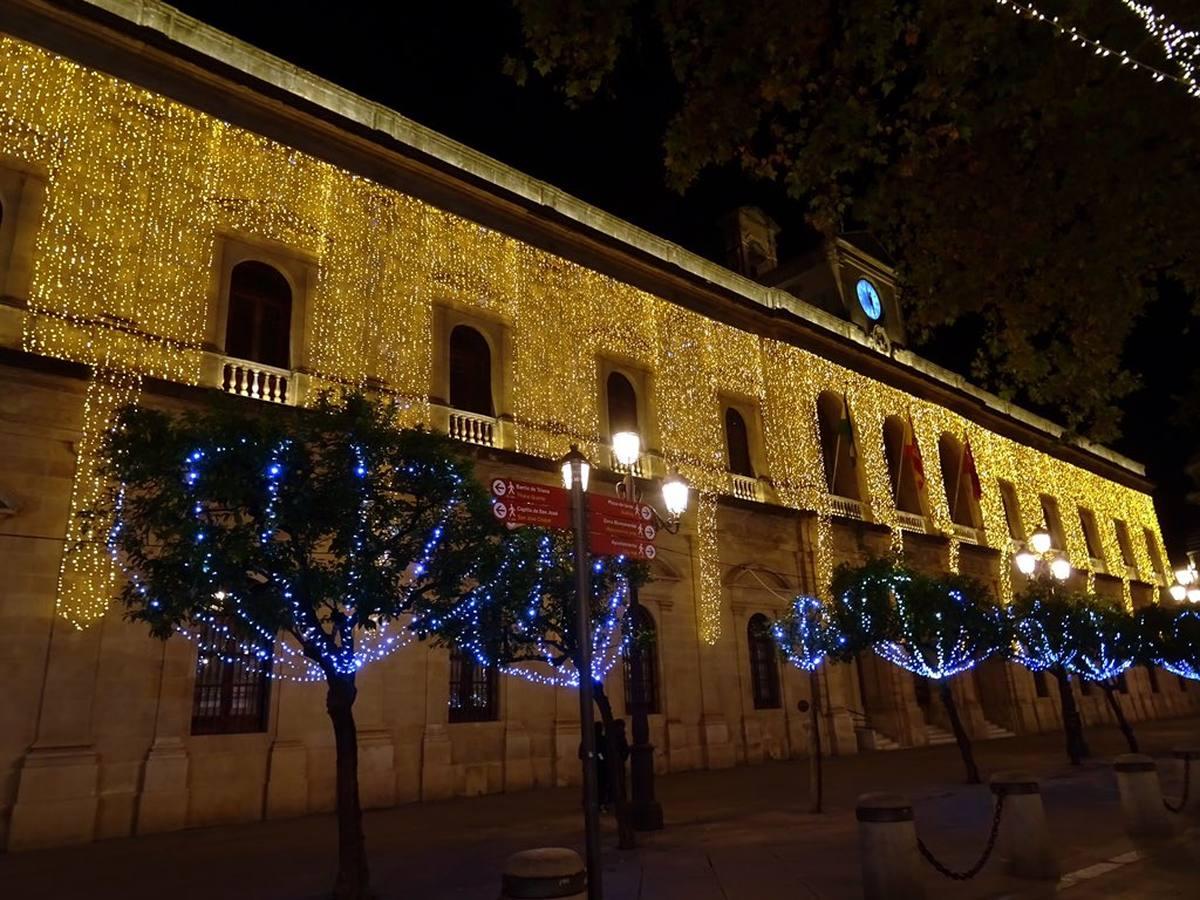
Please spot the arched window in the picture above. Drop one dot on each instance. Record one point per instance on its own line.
(259, 324)
(764, 663)
(905, 467)
(470, 371)
(643, 642)
(838, 444)
(474, 694)
(961, 480)
(622, 404)
(737, 443)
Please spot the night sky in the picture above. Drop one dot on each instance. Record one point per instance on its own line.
(440, 64)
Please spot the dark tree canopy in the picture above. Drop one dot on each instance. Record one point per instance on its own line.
(1031, 191)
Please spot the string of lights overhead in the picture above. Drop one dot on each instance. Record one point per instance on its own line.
(1180, 47)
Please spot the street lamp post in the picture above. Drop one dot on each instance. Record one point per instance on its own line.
(645, 810)
(1038, 559)
(575, 478)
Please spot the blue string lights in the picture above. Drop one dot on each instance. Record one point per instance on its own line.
(1179, 650)
(245, 626)
(806, 635)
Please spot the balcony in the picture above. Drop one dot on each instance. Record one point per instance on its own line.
(845, 507)
(911, 522)
(637, 470)
(472, 428)
(256, 381)
(1097, 565)
(745, 487)
(966, 533)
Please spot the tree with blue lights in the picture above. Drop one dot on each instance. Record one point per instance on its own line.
(1171, 639)
(299, 540)
(935, 627)
(524, 626)
(806, 636)
(1110, 641)
(1047, 636)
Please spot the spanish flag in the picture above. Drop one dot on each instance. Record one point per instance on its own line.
(913, 453)
(969, 469)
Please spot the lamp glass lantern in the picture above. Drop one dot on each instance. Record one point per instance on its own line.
(1060, 568)
(1026, 562)
(1193, 594)
(675, 495)
(627, 447)
(1040, 541)
(1178, 592)
(572, 461)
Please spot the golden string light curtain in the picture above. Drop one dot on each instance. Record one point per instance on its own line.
(141, 190)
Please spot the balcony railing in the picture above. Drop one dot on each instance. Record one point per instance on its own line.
(911, 522)
(966, 533)
(637, 470)
(254, 380)
(472, 428)
(845, 507)
(744, 487)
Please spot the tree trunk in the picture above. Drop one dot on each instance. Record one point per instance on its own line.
(1114, 703)
(815, 783)
(960, 733)
(616, 770)
(1077, 747)
(352, 876)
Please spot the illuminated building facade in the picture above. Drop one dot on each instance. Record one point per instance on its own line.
(183, 214)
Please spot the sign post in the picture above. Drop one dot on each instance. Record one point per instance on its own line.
(521, 503)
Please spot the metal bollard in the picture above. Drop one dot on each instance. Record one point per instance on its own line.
(1141, 797)
(549, 872)
(1024, 840)
(887, 842)
(1189, 765)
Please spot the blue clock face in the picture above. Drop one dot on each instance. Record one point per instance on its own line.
(868, 299)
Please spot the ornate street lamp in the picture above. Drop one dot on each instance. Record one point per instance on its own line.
(645, 809)
(1037, 553)
(575, 470)
(1187, 585)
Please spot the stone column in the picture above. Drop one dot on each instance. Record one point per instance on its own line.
(163, 800)
(57, 792)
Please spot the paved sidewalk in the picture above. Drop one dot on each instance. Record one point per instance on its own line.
(738, 834)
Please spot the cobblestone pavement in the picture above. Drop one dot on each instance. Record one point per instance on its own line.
(737, 834)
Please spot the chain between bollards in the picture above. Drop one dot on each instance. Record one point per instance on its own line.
(1187, 772)
(987, 851)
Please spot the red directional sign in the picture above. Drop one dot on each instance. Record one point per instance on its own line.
(621, 527)
(518, 503)
(606, 545)
(620, 509)
(633, 529)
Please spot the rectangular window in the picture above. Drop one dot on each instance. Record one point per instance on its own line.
(231, 690)
(1155, 556)
(1012, 510)
(1091, 534)
(1124, 543)
(474, 690)
(1053, 522)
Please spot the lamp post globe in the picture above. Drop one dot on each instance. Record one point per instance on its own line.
(1039, 542)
